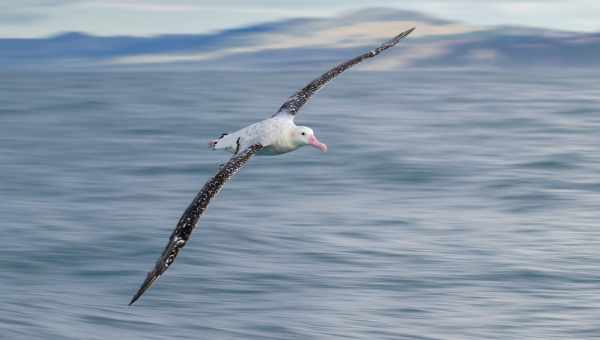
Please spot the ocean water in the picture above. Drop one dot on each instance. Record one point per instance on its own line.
(451, 205)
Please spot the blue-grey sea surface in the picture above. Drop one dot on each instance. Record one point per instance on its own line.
(457, 204)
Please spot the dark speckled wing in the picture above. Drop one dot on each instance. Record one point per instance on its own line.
(190, 217)
(295, 102)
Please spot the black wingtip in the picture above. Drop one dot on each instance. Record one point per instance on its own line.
(135, 298)
(150, 279)
(392, 42)
(407, 32)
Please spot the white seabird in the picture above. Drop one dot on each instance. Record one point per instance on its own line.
(275, 135)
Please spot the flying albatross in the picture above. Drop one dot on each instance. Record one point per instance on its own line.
(273, 136)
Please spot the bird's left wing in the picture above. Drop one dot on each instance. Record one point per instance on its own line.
(296, 101)
(190, 217)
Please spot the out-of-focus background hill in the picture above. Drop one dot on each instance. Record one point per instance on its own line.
(297, 43)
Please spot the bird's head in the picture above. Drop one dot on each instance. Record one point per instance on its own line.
(302, 135)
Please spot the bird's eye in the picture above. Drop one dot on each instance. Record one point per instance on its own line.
(303, 133)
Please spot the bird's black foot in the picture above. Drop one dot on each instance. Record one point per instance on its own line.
(237, 148)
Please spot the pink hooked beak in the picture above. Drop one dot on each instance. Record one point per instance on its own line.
(315, 142)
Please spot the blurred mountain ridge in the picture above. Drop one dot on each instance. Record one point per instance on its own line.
(308, 42)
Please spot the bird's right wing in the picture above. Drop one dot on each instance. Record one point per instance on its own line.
(190, 217)
(295, 102)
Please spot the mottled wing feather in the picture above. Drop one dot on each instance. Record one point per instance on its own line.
(295, 102)
(190, 217)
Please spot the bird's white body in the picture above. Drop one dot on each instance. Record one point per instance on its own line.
(274, 133)
(278, 134)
